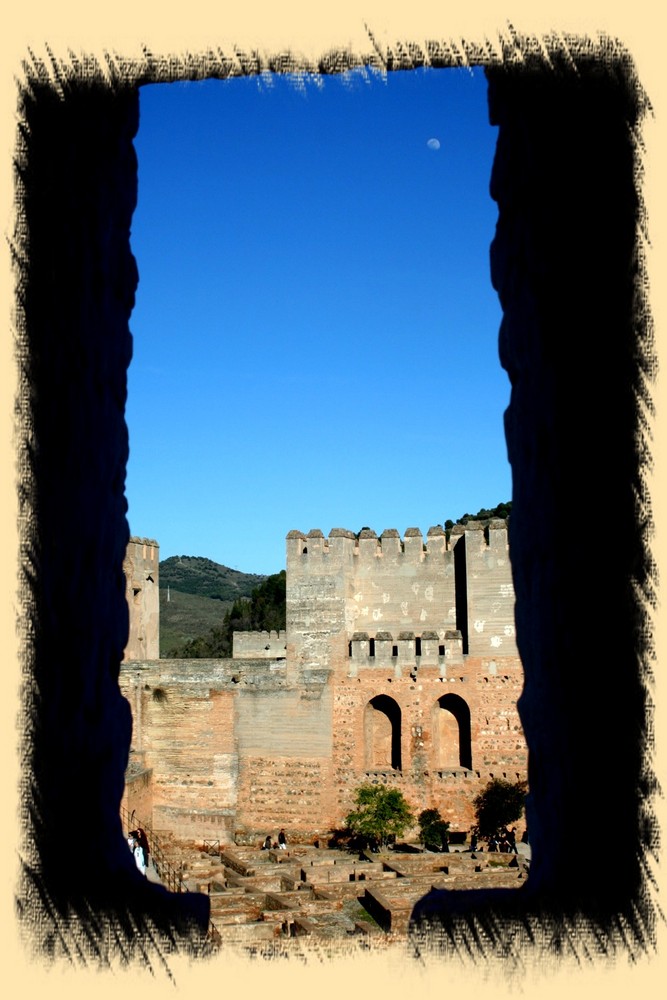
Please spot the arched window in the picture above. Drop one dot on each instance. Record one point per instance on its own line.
(451, 732)
(382, 734)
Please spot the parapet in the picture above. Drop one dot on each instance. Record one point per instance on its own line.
(144, 541)
(405, 650)
(481, 535)
(142, 551)
(259, 645)
(341, 542)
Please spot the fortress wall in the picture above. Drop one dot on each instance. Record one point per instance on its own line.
(408, 586)
(249, 744)
(294, 792)
(441, 649)
(500, 739)
(259, 645)
(339, 585)
(452, 793)
(496, 746)
(189, 743)
(490, 591)
(316, 589)
(286, 723)
(184, 729)
(230, 746)
(142, 587)
(234, 746)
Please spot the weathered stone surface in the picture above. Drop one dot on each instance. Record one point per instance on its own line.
(142, 575)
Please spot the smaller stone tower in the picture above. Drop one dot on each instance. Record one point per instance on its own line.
(142, 586)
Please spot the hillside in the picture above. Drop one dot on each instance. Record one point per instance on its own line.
(186, 617)
(200, 592)
(197, 575)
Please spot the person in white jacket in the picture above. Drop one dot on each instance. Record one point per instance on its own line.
(137, 851)
(139, 858)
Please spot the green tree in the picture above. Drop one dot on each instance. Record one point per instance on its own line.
(380, 813)
(499, 804)
(432, 828)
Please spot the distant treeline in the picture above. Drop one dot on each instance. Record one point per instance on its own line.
(502, 510)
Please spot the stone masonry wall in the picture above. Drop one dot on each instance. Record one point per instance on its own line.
(185, 733)
(138, 796)
(489, 590)
(259, 645)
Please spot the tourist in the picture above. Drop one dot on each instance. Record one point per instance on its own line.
(143, 843)
(139, 857)
(511, 840)
(266, 846)
(282, 840)
(473, 841)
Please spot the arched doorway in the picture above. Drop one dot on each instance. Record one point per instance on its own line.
(382, 734)
(451, 732)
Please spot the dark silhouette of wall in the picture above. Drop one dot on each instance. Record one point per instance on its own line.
(77, 171)
(575, 342)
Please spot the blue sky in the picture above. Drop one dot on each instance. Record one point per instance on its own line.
(315, 331)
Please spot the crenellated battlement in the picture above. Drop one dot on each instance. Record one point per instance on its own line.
(405, 651)
(367, 544)
(350, 583)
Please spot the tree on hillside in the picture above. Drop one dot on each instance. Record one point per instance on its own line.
(499, 804)
(380, 813)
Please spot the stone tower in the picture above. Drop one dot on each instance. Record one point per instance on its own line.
(142, 583)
